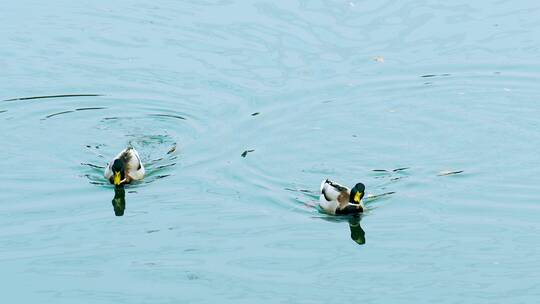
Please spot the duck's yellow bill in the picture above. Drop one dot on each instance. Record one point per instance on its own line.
(357, 197)
(117, 178)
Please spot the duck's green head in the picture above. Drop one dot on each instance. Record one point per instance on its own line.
(118, 169)
(357, 193)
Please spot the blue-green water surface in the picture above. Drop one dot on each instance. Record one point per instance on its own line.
(313, 89)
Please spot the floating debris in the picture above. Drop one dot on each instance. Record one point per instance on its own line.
(244, 154)
(444, 173)
(172, 149)
(255, 114)
(53, 96)
(379, 170)
(428, 76)
(152, 231)
(379, 59)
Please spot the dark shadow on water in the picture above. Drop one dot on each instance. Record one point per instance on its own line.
(119, 201)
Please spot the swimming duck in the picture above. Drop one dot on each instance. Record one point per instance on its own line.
(125, 167)
(336, 199)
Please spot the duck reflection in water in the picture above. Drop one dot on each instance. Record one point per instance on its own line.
(357, 233)
(119, 200)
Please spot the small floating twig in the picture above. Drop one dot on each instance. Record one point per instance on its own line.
(53, 96)
(244, 154)
(255, 114)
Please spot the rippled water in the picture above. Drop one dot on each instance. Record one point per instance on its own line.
(304, 90)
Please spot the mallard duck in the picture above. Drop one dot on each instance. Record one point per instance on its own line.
(336, 199)
(125, 167)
